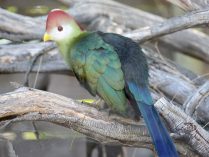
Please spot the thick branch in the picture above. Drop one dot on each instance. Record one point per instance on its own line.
(185, 126)
(194, 106)
(17, 58)
(171, 25)
(42, 105)
(27, 30)
(31, 104)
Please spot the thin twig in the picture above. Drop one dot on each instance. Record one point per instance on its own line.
(40, 53)
(37, 73)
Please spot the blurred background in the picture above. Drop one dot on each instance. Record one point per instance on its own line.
(52, 140)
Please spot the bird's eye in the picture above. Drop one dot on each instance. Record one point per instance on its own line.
(60, 28)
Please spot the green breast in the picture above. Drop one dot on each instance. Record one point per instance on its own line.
(98, 68)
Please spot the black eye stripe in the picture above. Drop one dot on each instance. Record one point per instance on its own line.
(60, 28)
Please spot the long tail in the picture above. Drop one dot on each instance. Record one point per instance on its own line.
(161, 139)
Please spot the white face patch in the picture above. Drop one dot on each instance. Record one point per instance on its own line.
(66, 31)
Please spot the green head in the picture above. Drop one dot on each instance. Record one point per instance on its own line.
(61, 28)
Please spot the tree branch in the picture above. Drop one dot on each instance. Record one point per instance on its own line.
(30, 29)
(163, 77)
(191, 42)
(194, 106)
(171, 25)
(190, 5)
(31, 104)
(185, 126)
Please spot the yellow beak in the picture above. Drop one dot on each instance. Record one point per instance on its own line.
(47, 37)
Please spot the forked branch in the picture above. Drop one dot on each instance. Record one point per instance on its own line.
(31, 104)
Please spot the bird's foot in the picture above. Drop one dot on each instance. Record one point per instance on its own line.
(86, 101)
(98, 103)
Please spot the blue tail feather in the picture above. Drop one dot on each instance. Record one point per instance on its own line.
(161, 139)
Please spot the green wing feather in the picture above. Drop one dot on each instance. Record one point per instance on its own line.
(100, 72)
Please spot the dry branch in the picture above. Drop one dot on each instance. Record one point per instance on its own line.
(171, 25)
(187, 41)
(18, 27)
(185, 126)
(31, 104)
(190, 5)
(194, 106)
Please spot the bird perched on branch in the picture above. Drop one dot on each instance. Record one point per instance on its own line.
(112, 67)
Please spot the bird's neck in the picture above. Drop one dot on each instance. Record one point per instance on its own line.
(66, 44)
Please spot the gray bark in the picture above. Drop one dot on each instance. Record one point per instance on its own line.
(190, 42)
(190, 5)
(86, 119)
(166, 79)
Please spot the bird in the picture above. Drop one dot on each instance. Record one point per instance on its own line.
(112, 67)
